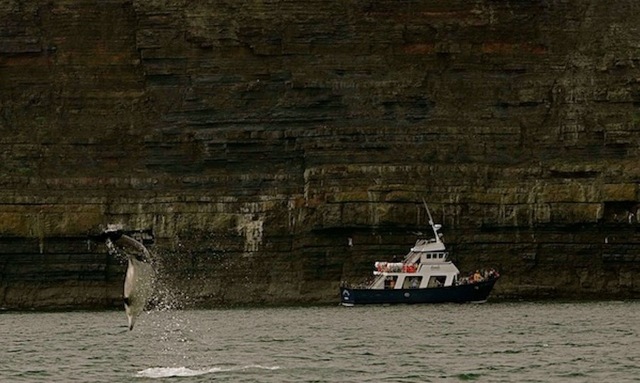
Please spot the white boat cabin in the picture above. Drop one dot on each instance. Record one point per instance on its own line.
(425, 266)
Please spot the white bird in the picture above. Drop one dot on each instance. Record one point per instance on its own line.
(138, 282)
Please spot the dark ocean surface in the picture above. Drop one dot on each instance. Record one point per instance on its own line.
(492, 342)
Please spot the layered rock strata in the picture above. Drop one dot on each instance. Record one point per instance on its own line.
(254, 139)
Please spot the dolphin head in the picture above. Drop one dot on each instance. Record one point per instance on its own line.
(130, 315)
(132, 321)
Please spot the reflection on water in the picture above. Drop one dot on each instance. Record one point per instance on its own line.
(536, 342)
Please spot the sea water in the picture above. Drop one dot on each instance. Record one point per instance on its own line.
(492, 342)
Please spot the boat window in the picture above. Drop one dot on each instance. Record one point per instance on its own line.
(436, 281)
(390, 282)
(412, 282)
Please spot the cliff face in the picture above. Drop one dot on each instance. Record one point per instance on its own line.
(254, 138)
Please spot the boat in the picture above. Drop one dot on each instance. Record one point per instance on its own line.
(426, 275)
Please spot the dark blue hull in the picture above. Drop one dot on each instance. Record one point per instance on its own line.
(476, 292)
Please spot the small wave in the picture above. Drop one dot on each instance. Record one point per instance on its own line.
(468, 376)
(170, 372)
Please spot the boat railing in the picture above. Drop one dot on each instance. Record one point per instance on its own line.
(478, 276)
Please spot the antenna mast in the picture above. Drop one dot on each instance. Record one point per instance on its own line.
(433, 225)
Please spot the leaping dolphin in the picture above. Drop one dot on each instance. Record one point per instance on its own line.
(138, 282)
